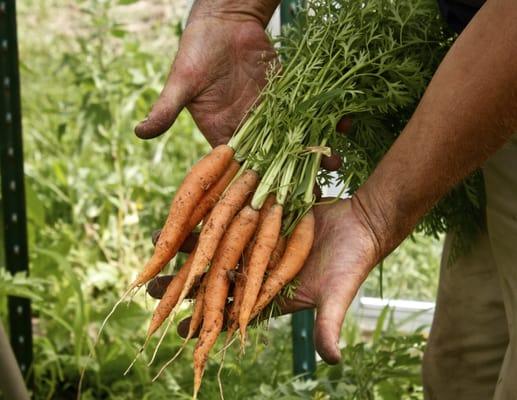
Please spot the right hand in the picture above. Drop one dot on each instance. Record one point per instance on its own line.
(218, 73)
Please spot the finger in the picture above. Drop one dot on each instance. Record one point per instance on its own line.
(329, 319)
(183, 328)
(332, 162)
(156, 288)
(188, 244)
(176, 93)
(344, 125)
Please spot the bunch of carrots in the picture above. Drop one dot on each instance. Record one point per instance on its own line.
(253, 197)
(221, 193)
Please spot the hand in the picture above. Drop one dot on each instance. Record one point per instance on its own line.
(343, 253)
(218, 73)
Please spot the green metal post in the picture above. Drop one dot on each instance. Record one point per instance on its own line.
(13, 191)
(304, 354)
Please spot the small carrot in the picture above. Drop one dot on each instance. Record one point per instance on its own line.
(215, 228)
(197, 312)
(270, 200)
(226, 258)
(296, 252)
(213, 195)
(267, 237)
(195, 322)
(277, 253)
(238, 292)
(202, 175)
(170, 297)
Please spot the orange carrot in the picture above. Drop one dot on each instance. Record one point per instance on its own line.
(202, 175)
(214, 229)
(212, 196)
(195, 322)
(170, 297)
(277, 253)
(296, 252)
(267, 237)
(197, 312)
(238, 292)
(270, 200)
(226, 258)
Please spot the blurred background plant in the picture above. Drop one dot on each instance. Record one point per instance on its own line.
(90, 70)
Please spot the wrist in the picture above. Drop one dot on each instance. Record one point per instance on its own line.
(381, 217)
(245, 10)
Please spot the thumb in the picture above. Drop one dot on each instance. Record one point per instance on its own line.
(329, 319)
(173, 98)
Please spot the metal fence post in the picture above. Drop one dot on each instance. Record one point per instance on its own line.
(13, 191)
(304, 354)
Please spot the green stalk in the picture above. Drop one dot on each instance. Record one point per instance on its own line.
(286, 181)
(268, 181)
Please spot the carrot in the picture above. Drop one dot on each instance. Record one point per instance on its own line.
(214, 229)
(197, 312)
(296, 252)
(270, 200)
(240, 282)
(195, 322)
(277, 253)
(202, 175)
(267, 237)
(213, 195)
(238, 292)
(170, 297)
(226, 258)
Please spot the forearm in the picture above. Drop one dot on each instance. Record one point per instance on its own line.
(257, 9)
(468, 111)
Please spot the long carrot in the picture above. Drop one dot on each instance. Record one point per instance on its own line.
(212, 196)
(195, 322)
(202, 175)
(238, 292)
(296, 252)
(267, 237)
(277, 253)
(170, 297)
(240, 282)
(226, 258)
(197, 312)
(270, 200)
(213, 230)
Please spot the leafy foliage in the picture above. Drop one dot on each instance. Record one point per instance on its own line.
(370, 61)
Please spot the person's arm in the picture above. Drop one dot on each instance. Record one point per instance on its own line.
(468, 111)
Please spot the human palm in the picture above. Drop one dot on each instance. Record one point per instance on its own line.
(342, 255)
(218, 73)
